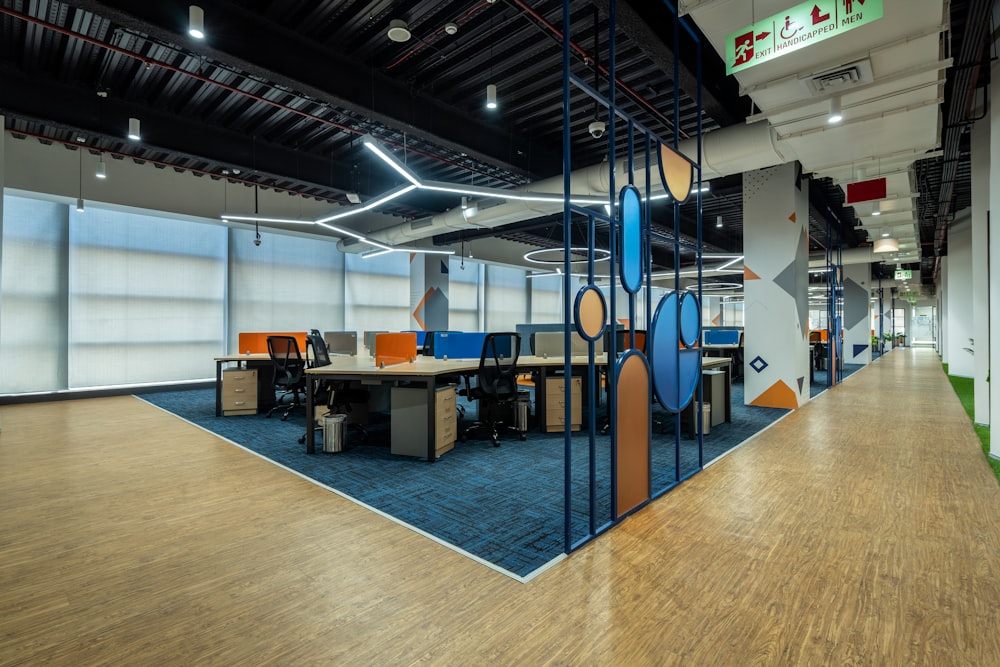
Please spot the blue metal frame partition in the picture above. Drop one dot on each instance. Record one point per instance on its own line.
(835, 304)
(629, 220)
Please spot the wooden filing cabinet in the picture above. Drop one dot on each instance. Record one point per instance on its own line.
(408, 427)
(239, 392)
(555, 403)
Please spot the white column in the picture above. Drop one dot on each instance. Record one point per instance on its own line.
(994, 208)
(959, 278)
(857, 314)
(776, 278)
(980, 268)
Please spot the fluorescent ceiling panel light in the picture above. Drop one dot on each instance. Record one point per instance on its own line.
(886, 245)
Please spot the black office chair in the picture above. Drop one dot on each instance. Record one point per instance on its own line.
(289, 372)
(496, 385)
(336, 394)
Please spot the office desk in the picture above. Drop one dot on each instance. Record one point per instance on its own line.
(735, 352)
(425, 370)
(239, 360)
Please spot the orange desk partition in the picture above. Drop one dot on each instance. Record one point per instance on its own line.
(395, 348)
(255, 342)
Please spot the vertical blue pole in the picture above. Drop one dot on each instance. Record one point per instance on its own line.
(567, 451)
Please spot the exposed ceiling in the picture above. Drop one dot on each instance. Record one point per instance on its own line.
(280, 94)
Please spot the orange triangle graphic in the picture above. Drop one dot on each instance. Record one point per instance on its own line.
(715, 320)
(748, 274)
(792, 217)
(779, 395)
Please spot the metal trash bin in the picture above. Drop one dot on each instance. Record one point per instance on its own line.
(706, 418)
(333, 433)
(522, 410)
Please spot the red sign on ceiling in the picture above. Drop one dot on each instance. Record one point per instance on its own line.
(866, 190)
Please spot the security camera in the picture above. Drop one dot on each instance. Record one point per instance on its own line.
(596, 129)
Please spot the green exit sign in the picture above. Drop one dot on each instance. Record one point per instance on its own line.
(904, 274)
(796, 28)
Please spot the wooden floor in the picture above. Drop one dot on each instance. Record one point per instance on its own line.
(862, 529)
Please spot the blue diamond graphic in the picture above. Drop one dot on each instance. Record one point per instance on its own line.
(758, 364)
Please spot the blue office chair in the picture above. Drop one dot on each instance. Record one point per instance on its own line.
(496, 385)
(289, 372)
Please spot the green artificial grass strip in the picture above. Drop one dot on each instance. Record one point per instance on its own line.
(965, 390)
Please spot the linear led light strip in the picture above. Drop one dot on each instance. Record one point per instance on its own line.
(404, 171)
(379, 248)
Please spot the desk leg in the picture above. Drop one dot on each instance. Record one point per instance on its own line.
(310, 418)
(431, 421)
(218, 388)
(540, 413)
(729, 392)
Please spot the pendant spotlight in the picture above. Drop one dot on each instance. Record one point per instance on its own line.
(133, 129)
(491, 96)
(196, 22)
(102, 169)
(718, 221)
(835, 113)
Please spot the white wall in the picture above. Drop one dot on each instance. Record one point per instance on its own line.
(960, 334)
(980, 268)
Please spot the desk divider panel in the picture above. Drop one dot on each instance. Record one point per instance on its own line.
(722, 336)
(550, 344)
(341, 342)
(462, 345)
(395, 348)
(255, 342)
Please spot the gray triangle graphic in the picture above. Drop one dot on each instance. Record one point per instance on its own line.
(801, 381)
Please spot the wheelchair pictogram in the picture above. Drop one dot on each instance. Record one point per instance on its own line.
(790, 29)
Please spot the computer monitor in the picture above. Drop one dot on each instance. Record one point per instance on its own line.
(341, 343)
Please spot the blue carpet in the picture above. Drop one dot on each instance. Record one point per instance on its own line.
(504, 504)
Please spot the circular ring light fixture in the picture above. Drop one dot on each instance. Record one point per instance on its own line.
(715, 287)
(540, 256)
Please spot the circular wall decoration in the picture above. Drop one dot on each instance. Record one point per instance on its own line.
(590, 313)
(630, 206)
(542, 256)
(675, 361)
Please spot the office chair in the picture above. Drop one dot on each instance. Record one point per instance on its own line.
(496, 385)
(337, 394)
(289, 371)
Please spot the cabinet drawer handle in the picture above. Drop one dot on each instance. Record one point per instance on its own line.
(239, 390)
(239, 402)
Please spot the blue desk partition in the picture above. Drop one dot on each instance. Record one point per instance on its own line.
(464, 345)
(722, 336)
(421, 335)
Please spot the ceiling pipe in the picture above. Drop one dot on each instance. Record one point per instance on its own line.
(731, 150)
(863, 256)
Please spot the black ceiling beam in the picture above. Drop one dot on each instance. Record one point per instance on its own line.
(279, 55)
(79, 108)
(639, 19)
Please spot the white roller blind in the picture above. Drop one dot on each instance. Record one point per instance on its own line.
(146, 298)
(377, 292)
(287, 283)
(463, 295)
(546, 300)
(33, 315)
(506, 298)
